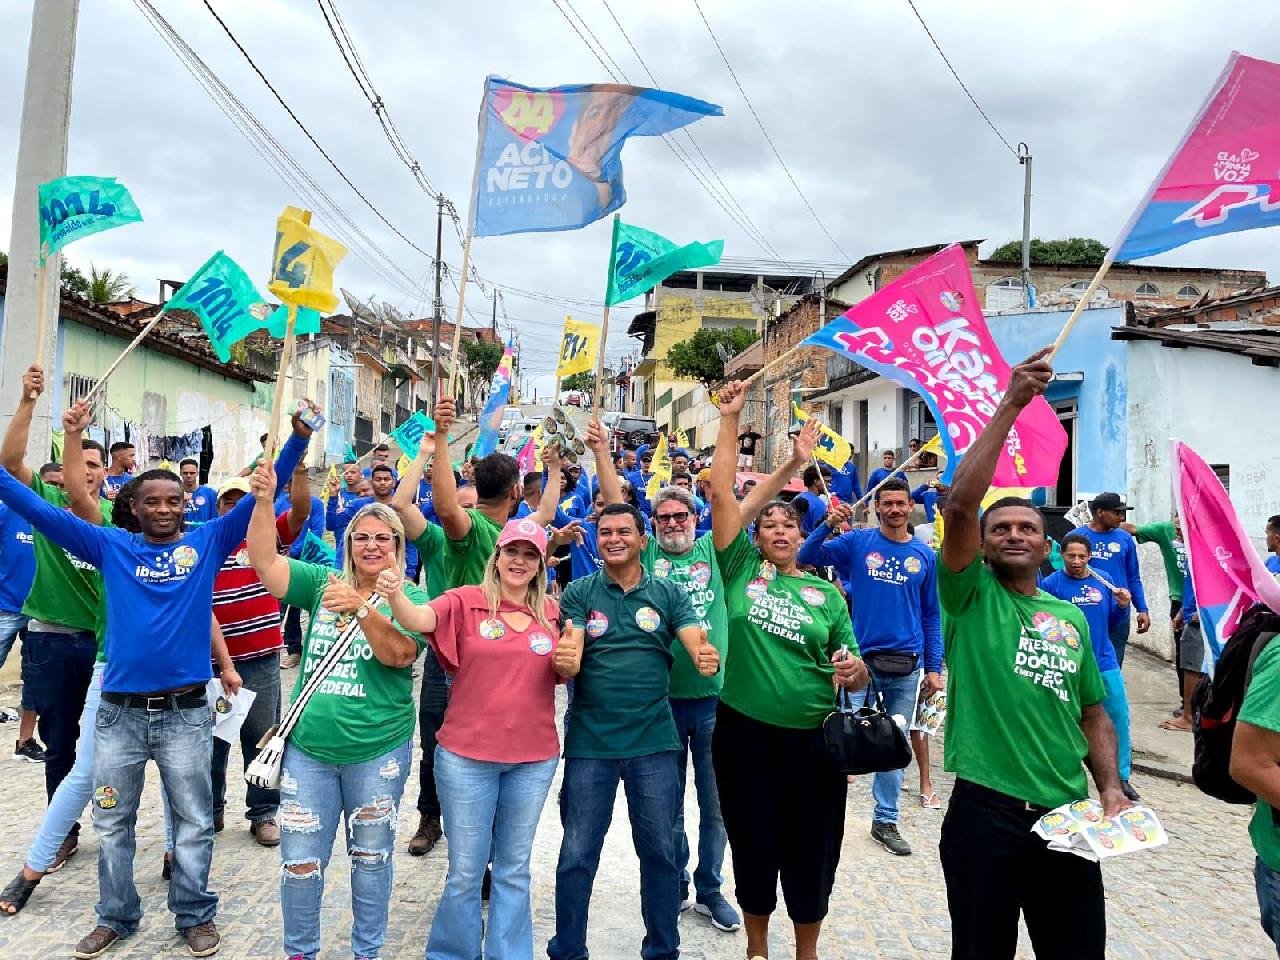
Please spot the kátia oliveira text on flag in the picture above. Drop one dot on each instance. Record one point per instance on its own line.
(1226, 572)
(1224, 176)
(926, 331)
(551, 158)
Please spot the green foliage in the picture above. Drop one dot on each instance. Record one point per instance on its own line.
(73, 280)
(479, 359)
(108, 286)
(1072, 251)
(698, 359)
(579, 381)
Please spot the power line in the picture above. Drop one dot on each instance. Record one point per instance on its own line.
(1008, 146)
(314, 142)
(760, 123)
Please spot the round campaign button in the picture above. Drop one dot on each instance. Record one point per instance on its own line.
(757, 588)
(492, 629)
(540, 643)
(647, 619)
(812, 596)
(597, 623)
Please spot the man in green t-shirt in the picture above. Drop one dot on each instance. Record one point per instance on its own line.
(1167, 535)
(1255, 765)
(620, 623)
(1025, 712)
(65, 598)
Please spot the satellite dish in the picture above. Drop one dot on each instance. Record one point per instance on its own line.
(359, 309)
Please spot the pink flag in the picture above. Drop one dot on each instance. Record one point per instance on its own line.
(926, 331)
(526, 457)
(1226, 571)
(1225, 174)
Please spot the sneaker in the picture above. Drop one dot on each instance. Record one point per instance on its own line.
(266, 832)
(887, 835)
(1127, 788)
(70, 844)
(686, 901)
(428, 835)
(202, 939)
(290, 660)
(28, 750)
(723, 917)
(96, 943)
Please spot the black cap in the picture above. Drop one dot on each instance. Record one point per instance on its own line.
(1109, 501)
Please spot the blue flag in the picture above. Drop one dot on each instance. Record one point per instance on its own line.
(491, 417)
(551, 158)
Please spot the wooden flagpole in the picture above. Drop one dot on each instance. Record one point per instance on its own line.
(102, 380)
(596, 388)
(457, 317)
(1080, 306)
(896, 470)
(286, 360)
(42, 318)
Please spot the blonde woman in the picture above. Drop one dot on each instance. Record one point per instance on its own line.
(348, 756)
(498, 747)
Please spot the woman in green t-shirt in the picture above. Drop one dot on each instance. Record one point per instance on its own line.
(791, 642)
(348, 755)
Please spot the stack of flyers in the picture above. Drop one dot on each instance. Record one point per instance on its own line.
(931, 712)
(1080, 828)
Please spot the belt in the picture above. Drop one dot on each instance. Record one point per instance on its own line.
(997, 798)
(184, 699)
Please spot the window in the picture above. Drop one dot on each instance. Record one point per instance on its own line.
(77, 387)
(1004, 294)
(1223, 472)
(1076, 288)
(1189, 291)
(1147, 290)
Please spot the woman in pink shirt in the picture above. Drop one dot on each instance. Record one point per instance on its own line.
(498, 747)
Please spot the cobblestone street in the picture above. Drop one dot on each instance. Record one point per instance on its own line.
(1192, 898)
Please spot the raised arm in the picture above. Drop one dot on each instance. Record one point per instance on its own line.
(419, 619)
(271, 568)
(299, 501)
(83, 539)
(84, 504)
(230, 528)
(550, 501)
(801, 452)
(726, 516)
(606, 473)
(444, 488)
(964, 534)
(405, 500)
(13, 450)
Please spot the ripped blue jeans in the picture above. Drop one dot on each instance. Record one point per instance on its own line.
(314, 797)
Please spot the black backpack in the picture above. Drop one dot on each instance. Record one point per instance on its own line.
(1216, 703)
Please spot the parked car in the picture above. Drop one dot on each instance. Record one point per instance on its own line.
(628, 430)
(574, 398)
(510, 417)
(519, 433)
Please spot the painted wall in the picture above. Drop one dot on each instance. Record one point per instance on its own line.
(1102, 395)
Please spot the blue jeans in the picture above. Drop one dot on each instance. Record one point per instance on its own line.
(433, 698)
(1267, 882)
(652, 784)
(262, 676)
(11, 626)
(899, 699)
(314, 796)
(57, 668)
(178, 741)
(695, 723)
(1119, 633)
(490, 810)
(1116, 703)
(76, 789)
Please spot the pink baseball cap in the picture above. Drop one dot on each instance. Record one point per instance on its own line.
(523, 530)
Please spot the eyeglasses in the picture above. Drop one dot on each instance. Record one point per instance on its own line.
(671, 518)
(381, 539)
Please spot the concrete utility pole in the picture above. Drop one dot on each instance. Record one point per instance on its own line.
(437, 305)
(42, 156)
(1024, 158)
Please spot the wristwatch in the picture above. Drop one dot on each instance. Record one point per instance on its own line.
(362, 611)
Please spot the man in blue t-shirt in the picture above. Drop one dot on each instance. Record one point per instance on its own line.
(881, 473)
(845, 483)
(892, 579)
(928, 496)
(1115, 555)
(158, 597)
(1273, 546)
(1102, 604)
(815, 505)
(201, 502)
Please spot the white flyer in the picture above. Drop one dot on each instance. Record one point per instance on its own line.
(228, 711)
(1081, 829)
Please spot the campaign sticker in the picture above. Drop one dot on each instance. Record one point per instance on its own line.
(700, 573)
(1048, 626)
(199, 501)
(222, 705)
(185, 556)
(812, 596)
(911, 564)
(1071, 635)
(540, 643)
(1084, 810)
(767, 571)
(874, 561)
(492, 629)
(597, 624)
(647, 619)
(242, 557)
(662, 567)
(757, 588)
(105, 797)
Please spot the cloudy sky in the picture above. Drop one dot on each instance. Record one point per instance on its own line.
(881, 139)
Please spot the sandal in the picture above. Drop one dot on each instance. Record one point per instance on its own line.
(17, 893)
(1174, 726)
(930, 801)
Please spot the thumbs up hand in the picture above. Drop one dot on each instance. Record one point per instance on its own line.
(340, 597)
(567, 660)
(708, 660)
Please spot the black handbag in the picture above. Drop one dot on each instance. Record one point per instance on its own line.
(865, 740)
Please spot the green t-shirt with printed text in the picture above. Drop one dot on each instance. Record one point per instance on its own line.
(698, 573)
(465, 559)
(66, 590)
(363, 708)
(784, 629)
(1261, 708)
(1020, 672)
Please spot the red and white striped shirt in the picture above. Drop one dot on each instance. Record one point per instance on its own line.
(248, 615)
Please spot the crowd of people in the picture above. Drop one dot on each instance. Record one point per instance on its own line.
(700, 623)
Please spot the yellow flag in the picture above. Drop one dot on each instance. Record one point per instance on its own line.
(682, 438)
(831, 447)
(578, 348)
(403, 464)
(660, 468)
(304, 261)
(933, 444)
(537, 447)
(328, 479)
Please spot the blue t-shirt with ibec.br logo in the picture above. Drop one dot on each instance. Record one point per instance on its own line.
(1092, 597)
(17, 560)
(158, 596)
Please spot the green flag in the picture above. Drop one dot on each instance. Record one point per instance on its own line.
(349, 455)
(315, 550)
(408, 436)
(642, 259)
(223, 297)
(307, 321)
(76, 207)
